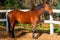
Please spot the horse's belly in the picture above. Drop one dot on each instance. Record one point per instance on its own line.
(25, 21)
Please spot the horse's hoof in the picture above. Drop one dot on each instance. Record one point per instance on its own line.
(12, 36)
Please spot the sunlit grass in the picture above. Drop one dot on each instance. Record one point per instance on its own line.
(45, 26)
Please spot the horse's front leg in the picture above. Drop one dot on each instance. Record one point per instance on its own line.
(33, 30)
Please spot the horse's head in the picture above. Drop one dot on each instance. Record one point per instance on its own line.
(47, 8)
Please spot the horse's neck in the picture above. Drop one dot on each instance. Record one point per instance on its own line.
(39, 11)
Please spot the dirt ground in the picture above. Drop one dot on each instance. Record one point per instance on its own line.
(25, 35)
(28, 36)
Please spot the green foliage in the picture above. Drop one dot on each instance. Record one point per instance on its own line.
(20, 24)
(38, 27)
(8, 4)
(57, 30)
(2, 24)
(2, 15)
(16, 5)
(11, 4)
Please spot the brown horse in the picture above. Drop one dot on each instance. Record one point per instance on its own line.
(29, 17)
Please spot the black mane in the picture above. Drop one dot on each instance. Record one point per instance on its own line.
(38, 7)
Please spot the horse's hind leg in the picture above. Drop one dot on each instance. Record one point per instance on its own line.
(12, 32)
(12, 29)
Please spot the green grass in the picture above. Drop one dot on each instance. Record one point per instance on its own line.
(37, 28)
(56, 29)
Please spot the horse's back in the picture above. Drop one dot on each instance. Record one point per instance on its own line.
(20, 16)
(24, 17)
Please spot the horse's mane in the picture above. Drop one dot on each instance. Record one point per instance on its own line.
(38, 7)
